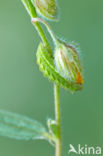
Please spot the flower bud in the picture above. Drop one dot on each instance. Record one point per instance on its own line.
(68, 63)
(46, 8)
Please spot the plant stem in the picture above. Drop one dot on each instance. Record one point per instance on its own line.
(34, 20)
(32, 12)
(43, 37)
(58, 120)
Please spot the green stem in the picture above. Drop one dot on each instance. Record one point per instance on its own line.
(32, 12)
(34, 20)
(58, 119)
(43, 37)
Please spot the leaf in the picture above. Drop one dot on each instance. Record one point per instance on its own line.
(53, 127)
(20, 127)
(47, 66)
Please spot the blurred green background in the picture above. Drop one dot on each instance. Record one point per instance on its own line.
(24, 90)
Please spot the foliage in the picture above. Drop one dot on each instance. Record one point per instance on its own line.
(62, 67)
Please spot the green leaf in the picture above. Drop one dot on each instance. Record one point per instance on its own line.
(53, 127)
(20, 127)
(47, 66)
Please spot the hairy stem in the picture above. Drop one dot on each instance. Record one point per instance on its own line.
(58, 120)
(34, 20)
(32, 12)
